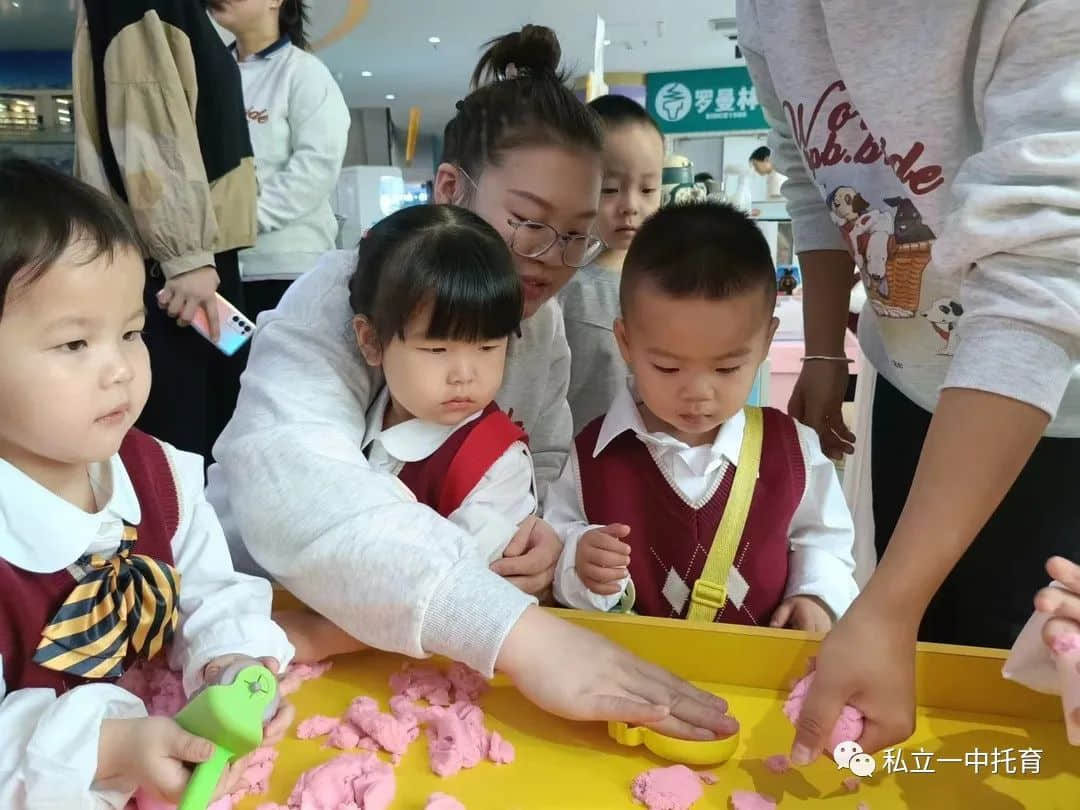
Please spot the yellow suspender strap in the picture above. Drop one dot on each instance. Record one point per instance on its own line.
(710, 591)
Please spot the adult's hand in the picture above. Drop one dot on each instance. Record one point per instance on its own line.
(183, 295)
(867, 661)
(816, 401)
(1063, 603)
(574, 673)
(529, 560)
(819, 391)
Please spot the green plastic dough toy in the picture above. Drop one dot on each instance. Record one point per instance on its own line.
(230, 714)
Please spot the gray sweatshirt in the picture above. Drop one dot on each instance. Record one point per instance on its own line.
(939, 143)
(590, 305)
(299, 500)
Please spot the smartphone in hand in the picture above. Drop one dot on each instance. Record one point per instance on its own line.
(235, 329)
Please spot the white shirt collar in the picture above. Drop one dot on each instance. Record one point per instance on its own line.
(413, 440)
(42, 533)
(624, 414)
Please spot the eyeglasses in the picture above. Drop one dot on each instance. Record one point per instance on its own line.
(532, 239)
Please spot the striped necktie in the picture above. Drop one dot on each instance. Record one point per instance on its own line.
(122, 604)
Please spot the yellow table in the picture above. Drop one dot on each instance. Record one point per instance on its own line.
(964, 707)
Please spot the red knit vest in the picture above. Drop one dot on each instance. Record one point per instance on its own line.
(669, 537)
(444, 479)
(28, 601)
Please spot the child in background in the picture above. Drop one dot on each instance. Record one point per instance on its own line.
(633, 164)
(108, 551)
(694, 505)
(436, 298)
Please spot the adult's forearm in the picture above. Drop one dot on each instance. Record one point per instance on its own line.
(976, 447)
(826, 278)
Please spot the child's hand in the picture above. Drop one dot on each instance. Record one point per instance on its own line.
(602, 559)
(152, 753)
(1063, 603)
(274, 730)
(803, 613)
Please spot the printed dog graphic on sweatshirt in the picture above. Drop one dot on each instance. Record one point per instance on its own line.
(890, 247)
(943, 315)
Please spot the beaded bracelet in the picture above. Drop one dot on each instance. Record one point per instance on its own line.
(826, 357)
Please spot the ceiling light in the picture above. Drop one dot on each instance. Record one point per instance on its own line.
(390, 96)
(367, 74)
(434, 40)
(607, 41)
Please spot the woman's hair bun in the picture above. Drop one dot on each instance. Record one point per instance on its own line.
(533, 52)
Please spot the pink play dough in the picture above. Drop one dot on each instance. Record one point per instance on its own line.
(440, 801)
(1066, 643)
(748, 800)
(851, 784)
(707, 777)
(500, 751)
(316, 726)
(350, 782)
(848, 727)
(457, 737)
(297, 674)
(673, 788)
(392, 734)
(778, 763)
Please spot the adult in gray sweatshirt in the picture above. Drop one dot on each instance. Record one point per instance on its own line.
(936, 145)
(297, 495)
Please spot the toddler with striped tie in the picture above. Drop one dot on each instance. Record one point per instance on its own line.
(109, 553)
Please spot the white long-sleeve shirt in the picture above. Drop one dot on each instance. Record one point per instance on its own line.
(298, 498)
(299, 127)
(821, 532)
(962, 121)
(492, 510)
(49, 755)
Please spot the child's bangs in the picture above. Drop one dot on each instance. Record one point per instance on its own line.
(474, 304)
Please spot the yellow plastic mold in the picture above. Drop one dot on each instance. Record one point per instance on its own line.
(687, 752)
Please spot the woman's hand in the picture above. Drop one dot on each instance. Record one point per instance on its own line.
(574, 673)
(529, 560)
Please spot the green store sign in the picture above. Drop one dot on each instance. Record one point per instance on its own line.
(716, 100)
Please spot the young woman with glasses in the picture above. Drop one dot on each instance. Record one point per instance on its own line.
(300, 500)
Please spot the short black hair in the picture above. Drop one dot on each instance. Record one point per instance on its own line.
(530, 105)
(443, 255)
(43, 212)
(761, 153)
(617, 111)
(699, 250)
(702, 177)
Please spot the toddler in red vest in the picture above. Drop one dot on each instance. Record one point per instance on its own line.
(109, 554)
(436, 299)
(682, 501)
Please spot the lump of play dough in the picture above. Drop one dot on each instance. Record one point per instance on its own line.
(297, 674)
(851, 784)
(468, 684)
(316, 726)
(422, 683)
(392, 734)
(778, 763)
(1066, 643)
(350, 782)
(500, 751)
(673, 788)
(456, 738)
(707, 777)
(440, 801)
(848, 727)
(748, 800)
